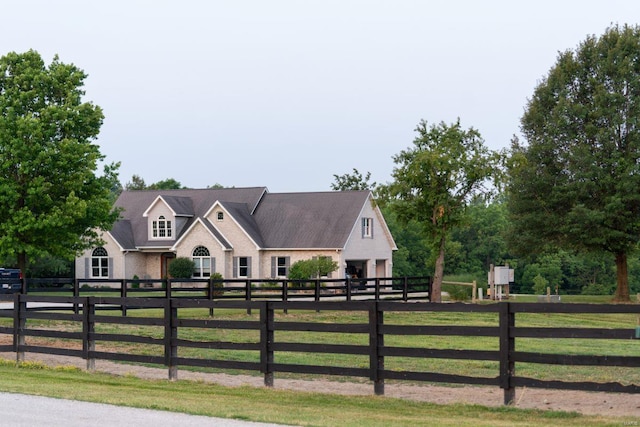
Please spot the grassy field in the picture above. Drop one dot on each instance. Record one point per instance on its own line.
(321, 409)
(273, 406)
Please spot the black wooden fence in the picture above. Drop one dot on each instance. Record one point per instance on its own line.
(347, 289)
(268, 352)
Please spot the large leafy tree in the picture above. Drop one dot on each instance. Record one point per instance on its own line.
(53, 202)
(435, 180)
(354, 181)
(576, 184)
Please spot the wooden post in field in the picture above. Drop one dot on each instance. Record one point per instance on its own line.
(492, 282)
(473, 292)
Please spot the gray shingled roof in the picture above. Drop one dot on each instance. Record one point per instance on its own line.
(242, 215)
(309, 220)
(182, 206)
(318, 220)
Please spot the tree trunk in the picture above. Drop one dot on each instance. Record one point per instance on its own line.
(439, 273)
(622, 288)
(22, 262)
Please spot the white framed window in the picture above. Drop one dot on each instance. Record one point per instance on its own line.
(280, 266)
(202, 262)
(367, 228)
(242, 267)
(161, 228)
(100, 263)
(220, 216)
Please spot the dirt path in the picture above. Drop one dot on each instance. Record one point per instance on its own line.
(562, 400)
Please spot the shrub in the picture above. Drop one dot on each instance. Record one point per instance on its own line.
(311, 268)
(540, 285)
(458, 292)
(598, 289)
(181, 268)
(217, 285)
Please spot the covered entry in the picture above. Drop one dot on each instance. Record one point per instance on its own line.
(356, 269)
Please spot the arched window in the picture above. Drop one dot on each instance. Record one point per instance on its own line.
(202, 260)
(161, 228)
(100, 263)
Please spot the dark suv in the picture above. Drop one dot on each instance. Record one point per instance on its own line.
(10, 280)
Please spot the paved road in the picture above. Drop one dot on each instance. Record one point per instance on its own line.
(20, 410)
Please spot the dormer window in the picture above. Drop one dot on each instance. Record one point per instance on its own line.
(161, 228)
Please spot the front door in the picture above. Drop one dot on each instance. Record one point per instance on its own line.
(165, 260)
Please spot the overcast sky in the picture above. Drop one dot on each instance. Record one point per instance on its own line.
(285, 94)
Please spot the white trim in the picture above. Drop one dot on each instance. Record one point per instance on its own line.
(264, 191)
(228, 215)
(153, 204)
(188, 230)
(117, 243)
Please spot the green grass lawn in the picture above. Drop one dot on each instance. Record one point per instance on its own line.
(273, 406)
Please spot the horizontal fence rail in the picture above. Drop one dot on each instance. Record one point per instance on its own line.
(386, 338)
(345, 289)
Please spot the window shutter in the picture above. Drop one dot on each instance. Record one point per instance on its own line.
(110, 266)
(249, 267)
(371, 225)
(274, 261)
(235, 267)
(213, 265)
(362, 222)
(87, 267)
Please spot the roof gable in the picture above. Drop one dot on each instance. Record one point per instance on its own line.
(179, 206)
(215, 233)
(186, 202)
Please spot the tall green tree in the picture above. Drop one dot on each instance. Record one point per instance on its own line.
(575, 185)
(353, 181)
(166, 184)
(53, 202)
(136, 183)
(435, 180)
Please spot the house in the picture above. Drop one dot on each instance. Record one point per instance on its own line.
(241, 233)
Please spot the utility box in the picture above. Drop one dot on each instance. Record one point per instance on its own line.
(499, 279)
(503, 275)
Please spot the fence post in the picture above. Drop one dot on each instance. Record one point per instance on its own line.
(167, 290)
(123, 294)
(210, 291)
(285, 294)
(507, 348)
(266, 342)
(317, 292)
(19, 324)
(377, 288)
(474, 291)
(348, 282)
(76, 294)
(88, 329)
(247, 295)
(170, 337)
(376, 342)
